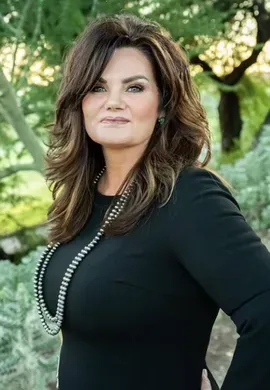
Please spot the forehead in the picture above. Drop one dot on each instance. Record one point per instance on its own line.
(126, 62)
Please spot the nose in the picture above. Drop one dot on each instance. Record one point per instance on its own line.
(114, 101)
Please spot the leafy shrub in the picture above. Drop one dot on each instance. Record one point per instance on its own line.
(250, 177)
(28, 356)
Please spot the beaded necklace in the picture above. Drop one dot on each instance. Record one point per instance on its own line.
(56, 321)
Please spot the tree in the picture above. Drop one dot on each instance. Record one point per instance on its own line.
(228, 22)
(40, 30)
(229, 106)
(36, 34)
(11, 111)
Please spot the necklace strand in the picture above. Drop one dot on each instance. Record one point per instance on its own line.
(44, 314)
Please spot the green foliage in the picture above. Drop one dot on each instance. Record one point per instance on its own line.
(254, 93)
(46, 29)
(250, 178)
(28, 356)
(24, 201)
(11, 200)
(23, 215)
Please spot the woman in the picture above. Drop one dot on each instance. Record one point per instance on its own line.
(147, 244)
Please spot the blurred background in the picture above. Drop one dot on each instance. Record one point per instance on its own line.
(228, 45)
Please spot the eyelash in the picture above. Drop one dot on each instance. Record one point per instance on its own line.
(140, 87)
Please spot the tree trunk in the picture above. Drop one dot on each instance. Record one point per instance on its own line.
(229, 119)
(12, 113)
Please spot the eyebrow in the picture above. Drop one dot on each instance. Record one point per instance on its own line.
(127, 80)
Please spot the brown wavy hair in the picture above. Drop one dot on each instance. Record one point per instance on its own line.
(73, 159)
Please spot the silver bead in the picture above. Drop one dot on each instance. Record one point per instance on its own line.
(45, 259)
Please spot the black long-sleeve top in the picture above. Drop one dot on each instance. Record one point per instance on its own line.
(141, 306)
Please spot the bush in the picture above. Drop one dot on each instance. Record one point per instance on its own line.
(250, 177)
(28, 356)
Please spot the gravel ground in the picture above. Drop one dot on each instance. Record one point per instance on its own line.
(221, 347)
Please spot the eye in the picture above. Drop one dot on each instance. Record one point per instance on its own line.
(136, 88)
(133, 88)
(97, 88)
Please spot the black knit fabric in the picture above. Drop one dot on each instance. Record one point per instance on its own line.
(141, 306)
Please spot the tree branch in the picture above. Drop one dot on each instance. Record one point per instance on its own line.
(38, 24)
(17, 35)
(206, 67)
(262, 17)
(17, 168)
(263, 22)
(13, 114)
(8, 26)
(234, 77)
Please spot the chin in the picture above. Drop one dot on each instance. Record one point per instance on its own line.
(114, 142)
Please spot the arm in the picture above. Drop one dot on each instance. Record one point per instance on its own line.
(213, 241)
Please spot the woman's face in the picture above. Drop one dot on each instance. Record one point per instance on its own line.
(127, 95)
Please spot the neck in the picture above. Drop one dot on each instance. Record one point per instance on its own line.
(118, 165)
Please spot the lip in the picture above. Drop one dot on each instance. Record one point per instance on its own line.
(111, 119)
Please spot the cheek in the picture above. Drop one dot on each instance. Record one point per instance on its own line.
(90, 106)
(145, 110)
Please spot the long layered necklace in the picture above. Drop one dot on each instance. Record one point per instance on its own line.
(56, 321)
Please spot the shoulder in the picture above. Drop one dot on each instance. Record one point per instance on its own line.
(197, 188)
(197, 177)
